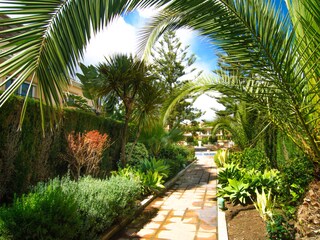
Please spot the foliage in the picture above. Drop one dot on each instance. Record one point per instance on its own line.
(279, 229)
(220, 158)
(154, 165)
(236, 190)
(150, 174)
(86, 150)
(243, 122)
(152, 182)
(246, 182)
(139, 153)
(250, 158)
(176, 157)
(77, 102)
(103, 202)
(171, 61)
(157, 138)
(65, 209)
(47, 213)
(296, 175)
(27, 157)
(89, 74)
(264, 204)
(230, 171)
(128, 79)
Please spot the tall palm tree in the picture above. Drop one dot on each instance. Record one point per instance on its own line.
(280, 52)
(127, 78)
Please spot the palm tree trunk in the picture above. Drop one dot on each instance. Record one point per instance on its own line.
(123, 157)
(134, 143)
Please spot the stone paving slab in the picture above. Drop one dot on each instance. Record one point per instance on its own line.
(186, 211)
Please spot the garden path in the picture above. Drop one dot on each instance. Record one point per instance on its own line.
(186, 211)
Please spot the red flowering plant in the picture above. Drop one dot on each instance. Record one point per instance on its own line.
(86, 151)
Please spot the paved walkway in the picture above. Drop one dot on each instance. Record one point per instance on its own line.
(186, 211)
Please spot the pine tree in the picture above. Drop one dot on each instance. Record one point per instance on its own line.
(171, 61)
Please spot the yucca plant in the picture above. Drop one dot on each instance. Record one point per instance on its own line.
(220, 157)
(264, 204)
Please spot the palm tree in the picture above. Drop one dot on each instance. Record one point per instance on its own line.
(244, 124)
(127, 78)
(280, 52)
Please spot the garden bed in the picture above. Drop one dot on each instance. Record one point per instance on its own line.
(244, 222)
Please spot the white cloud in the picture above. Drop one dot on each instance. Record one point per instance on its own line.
(118, 37)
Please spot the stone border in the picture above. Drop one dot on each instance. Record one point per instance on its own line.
(222, 225)
(143, 204)
(222, 222)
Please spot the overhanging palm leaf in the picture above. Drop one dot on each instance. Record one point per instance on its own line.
(257, 37)
(44, 39)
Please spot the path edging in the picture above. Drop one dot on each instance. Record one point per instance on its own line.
(222, 222)
(143, 204)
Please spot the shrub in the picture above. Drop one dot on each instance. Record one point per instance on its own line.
(139, 153)
(279, 228)
(46, 213)
(250, 158)
(230, 171)
(236, 190)
(152, 182)
(103, 202)
(86, 150)
(176, 157)
(154, 165)
(236, 183)
(296, 175)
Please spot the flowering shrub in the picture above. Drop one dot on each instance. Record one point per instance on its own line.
(86, 150)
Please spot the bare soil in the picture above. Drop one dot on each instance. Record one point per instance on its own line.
(244, 223)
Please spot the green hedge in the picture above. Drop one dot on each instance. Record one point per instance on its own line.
(27, 157)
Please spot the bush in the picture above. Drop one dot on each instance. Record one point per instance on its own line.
(279, 229)
(139, 153)
(27, 157)
(46, 213)
(250, 158)
(176, 157)
(154, 165)
(296, 175)
(103, 202)
(238, 184)
(86, 151)
(70, 210)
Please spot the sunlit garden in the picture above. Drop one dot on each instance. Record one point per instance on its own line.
(84, 145)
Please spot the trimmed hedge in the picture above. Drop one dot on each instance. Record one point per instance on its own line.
(27, 157)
